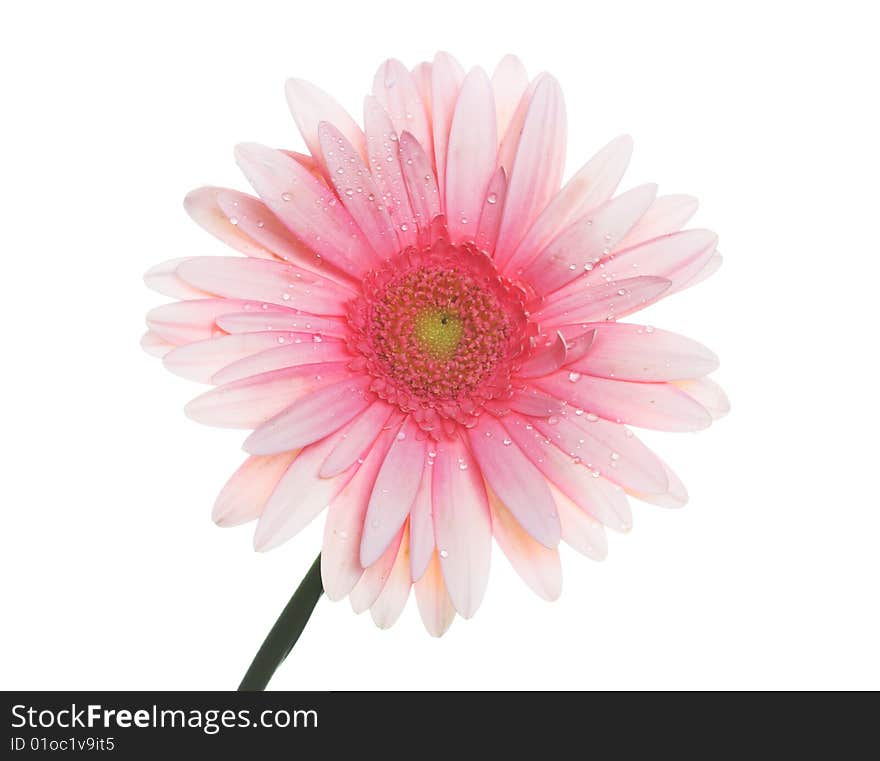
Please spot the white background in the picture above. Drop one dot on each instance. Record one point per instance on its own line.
(114, 576)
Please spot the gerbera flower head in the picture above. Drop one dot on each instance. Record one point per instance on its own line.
(423, 336)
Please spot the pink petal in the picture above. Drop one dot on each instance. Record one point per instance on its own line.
(374, 577)
(509, 83)
(359, 192)
(580, 303)
(446, 80)
(383, 148)
(646, 405)
(300, 495)
(605, 502)
(307, 207)
(201, 360)
(155, 345)
(578, 343)
(609, 448)
(340, 554)
(289, 350)
(676, 257)
(310, 106)
(537, 168)
(247, 491)
(708, 394)
(420, 181)
(538, 566)
(515, 480)
(249, 402)
(708, 269)
(421, 522)
(490, 216)
(186, 321)
(394, 492)
(675, 495)
(312, 417)
(264, 281)
(508, 141)
(530, 401)
(358, 438)
(435, 607)
(392, 599)
(577, 250)
(396, 89)
(282, 319)
(462, 525)
(203, 206)
(544, 359)
(580, 530)
(422, 76)
(470, 162)
(163, 279)
(667, 214)
(643, 353)
(591, 187)
(253, 218)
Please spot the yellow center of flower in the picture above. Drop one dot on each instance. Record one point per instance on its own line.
(438, 332)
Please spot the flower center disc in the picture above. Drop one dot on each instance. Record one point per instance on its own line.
(438, 329)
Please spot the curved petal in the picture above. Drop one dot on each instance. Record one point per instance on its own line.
(676, 257)
(545, 359)
(580, 530)
(155, 345)
(249, 402)
(289, 350)
(397, 91)
(383, 149)
(708, 394)
(578, 249)
(310, 106)
(647, 405)
(607, 447)
(307, 207)
(470, 162)
(186, 321)
(163, 279)
(446, 78)
(490, 216)
(579, 303)
(509, 82)
(538, 566)
(202, 360)
(421, 184)
(667, 214)
(421, 522)
(203, 206)
(358, 190)
(435, 607)
(604, 501)
(340, 553)
(358, 438)
(299, 496)
(394, 492)
(591, 187)
(392, 599)
(373, 579)
(537, 168)
(265, 281)
(643, 353)
(675, 495)
(245, 494)
(311, 418)
(515, 480)
(271, 317)
(462, 525)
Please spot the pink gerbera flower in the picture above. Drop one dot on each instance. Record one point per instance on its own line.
(423, 335)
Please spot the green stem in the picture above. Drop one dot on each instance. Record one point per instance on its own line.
(283, 636)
